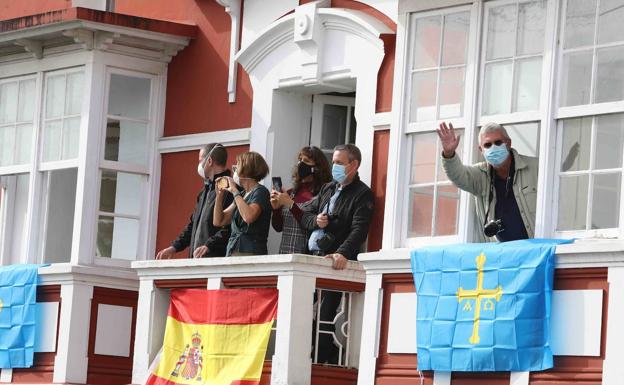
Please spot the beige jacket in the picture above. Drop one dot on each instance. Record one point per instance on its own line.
(476, 180)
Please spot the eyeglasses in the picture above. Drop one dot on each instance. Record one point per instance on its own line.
(489, 144)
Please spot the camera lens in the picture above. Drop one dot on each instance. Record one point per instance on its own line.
(493, 227)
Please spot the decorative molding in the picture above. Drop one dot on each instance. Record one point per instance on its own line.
(382, 121)
(232, 8)
(228, 138)
(32, 46)
(285, 29)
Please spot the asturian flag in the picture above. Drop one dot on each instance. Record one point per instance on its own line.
(484, 306)
(216, 337)
(18, 294)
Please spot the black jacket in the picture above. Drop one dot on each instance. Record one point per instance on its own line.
(200, 231)
(350, 218)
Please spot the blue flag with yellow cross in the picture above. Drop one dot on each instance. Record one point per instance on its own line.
(484, 306)
(18, 294)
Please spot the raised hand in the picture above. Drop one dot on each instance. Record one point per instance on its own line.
(448, 138)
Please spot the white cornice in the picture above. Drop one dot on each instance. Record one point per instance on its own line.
(273, 36)
(236, 137)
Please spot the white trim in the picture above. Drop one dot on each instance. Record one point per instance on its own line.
(519, 378)
(228, 138)
(382, 121)
(612, 368)
(441, 378)
(232, 8)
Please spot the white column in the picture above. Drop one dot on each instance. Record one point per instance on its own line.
(214, 283)
(519, 378)
(441, 378)
(369, 348)
(150, 327)
(292, 364)
(70, 365)
(6, 376)
(612, 368)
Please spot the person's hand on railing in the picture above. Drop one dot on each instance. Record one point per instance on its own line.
(200, 251)
(340, 262)
(166, 253)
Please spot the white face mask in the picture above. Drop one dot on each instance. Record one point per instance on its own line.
(201, 168)
(236, 178)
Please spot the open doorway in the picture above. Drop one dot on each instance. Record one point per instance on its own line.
(333, 121)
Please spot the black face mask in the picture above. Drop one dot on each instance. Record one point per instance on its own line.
(304, 170)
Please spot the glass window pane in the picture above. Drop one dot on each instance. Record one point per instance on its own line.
(496, 93)
(125, 141)
(55, 96)
(117, 238)
(18, 240)
(71, 138)
(421, 212)
(610, 19)
(451, 93)
(500, 33)
(455, 42)
(7, 145)
(576, 79)
(572, 202)
(528, 82)
(52, 132)
(423, 101)
(531, 22)
(23, 141)
(610, 74)
(576, 144)
(524, 138)
(26, 108)
(580, 22)
(61, 200)
(121, 193)
(447, 210)
(129, 96)
(334, 126)
(609, 141)
(424, 157)
(75, 83)
(8, 102)
(606, 201)
(427, 42)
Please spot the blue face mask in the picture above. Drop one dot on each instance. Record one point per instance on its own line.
(339, 173)
(496, 155)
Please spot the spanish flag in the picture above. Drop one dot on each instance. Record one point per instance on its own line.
(216, 337)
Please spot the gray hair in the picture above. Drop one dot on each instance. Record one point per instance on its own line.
(493, 127)
(353, 152)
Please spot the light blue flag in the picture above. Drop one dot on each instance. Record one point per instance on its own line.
(18, 294)
(484, 306)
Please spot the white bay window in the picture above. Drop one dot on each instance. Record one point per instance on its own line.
(550, 71)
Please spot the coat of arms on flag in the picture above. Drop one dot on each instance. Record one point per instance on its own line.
(484, 306)
(216, 337)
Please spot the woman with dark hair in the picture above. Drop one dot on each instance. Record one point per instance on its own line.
(309, 174)
(250, 214)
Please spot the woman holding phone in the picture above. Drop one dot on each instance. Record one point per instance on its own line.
(250, 214)
(309, 174)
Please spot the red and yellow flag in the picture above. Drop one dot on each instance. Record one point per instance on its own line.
(216, 337)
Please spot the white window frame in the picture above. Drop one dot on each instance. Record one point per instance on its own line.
(95, 65)
(592, 110)
(395, 228)
(143, 249)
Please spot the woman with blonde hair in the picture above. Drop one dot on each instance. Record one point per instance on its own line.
(250, 214)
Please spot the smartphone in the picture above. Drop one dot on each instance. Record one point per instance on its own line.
(277, 183)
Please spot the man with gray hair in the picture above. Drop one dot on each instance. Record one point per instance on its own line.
(504, 186)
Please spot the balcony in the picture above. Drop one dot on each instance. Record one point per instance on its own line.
(297, 277)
